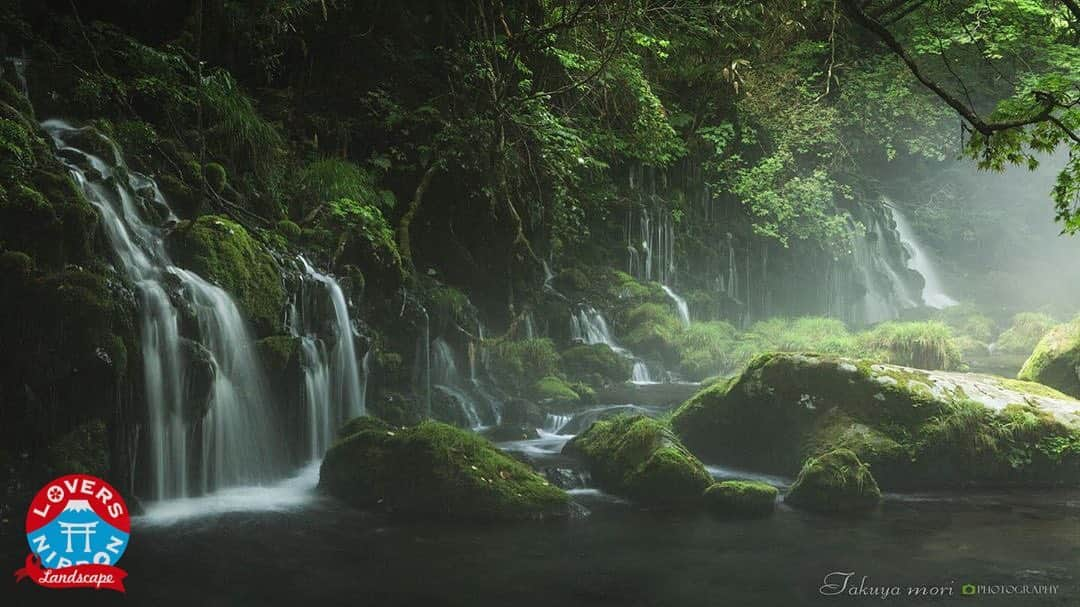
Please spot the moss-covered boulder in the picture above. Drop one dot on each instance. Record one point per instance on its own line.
(595, 364)
(557, 393)
(434, 471)
(223, 252)
(653, 330)
(740, 498)
(1056, 359)
(641, 458)
(835, 481)
(914, 427)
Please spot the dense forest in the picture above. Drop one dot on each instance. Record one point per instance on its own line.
(489, 260)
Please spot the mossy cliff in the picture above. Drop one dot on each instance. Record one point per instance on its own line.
(914, 428)
(1056, 359)
(223, 252)
(434, 471)
(66, 318)
(641, 458)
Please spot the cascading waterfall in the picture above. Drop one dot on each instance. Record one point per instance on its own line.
(188, 448)
(447, 379)
(334, 384)
(588, 325)
(933, 293)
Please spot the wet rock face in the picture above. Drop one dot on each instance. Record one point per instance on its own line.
(434, 471)
(915, 428)
(1056, 360)
(835, 482)
(640, 458)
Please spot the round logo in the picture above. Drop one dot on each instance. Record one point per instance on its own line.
(77, 519)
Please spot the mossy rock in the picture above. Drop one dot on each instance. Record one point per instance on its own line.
(741, 498)
(278, 353)
(641, 458)
(1056, 360)
(397, 409)
(289, 230)
(916, 428)
(596, 364)
(435, 471)
(215, 176)
(555, 390)
(223, 252)
(652, 329)
(835, 482)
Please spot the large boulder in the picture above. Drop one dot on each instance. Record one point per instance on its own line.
(835, 481)
(434, 471)
(1056, 359)
(914, 427)
(224, 253)
(640, 458)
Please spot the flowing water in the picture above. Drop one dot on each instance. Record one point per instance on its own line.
(188, 451)
(334, 383)
(680, 305)
(933, 292)
(588, 325)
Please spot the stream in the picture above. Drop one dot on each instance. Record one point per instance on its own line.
(285, 544)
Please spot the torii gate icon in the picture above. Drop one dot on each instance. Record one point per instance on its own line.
(83, 529)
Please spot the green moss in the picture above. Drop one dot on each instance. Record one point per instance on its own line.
(397, 409)
(1024, 333)
(641, 458)
(289, 230)
(652, 329)
(364, 423)
(968, 320)
(554, 389)
(744, 498)
(221, 251)
(595, 364)
(215, 176)
(835, 482)
(435, 471)
(1056, 360)
(278, 353)
(521, 363)
(1030, 388)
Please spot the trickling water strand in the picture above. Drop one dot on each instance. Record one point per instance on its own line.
(231, 439)
(680, 305)
(446, 378)
(933, 293)
(588, 325)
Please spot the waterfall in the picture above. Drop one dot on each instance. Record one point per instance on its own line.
(933, 293)
(680, 305)
(334, 384)
(588, 325)
(230, 442)
(447, 379)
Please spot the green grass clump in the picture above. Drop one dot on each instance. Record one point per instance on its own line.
(924, 345)
(522, 362)
(835, 482)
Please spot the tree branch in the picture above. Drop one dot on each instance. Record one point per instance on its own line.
(966, 112)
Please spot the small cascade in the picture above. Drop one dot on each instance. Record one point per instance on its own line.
(447, 379)
(549, 278)
(887, 283)
(933, 292)
(653, 258)
(589, 326)
(334, 383)
(554, 423)
(195, 441)
(680, 305)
